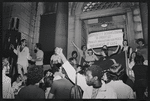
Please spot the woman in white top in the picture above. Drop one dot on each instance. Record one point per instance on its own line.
(130, 63)
(126, 48)
(131, 59)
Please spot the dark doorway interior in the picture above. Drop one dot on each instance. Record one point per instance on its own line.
(47, 35)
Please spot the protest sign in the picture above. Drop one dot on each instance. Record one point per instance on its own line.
(109, 38)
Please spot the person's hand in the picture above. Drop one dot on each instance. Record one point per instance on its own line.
(59, 51)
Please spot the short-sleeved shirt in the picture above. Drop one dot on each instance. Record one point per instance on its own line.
(55, 59)
(31, 92)
(39, 54)
(61, 89)
(104, 92)
(122, 90)
(91, 58)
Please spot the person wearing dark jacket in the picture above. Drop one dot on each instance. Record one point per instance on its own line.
(141, 76)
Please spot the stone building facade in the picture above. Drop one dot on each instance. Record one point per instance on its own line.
(74, 21)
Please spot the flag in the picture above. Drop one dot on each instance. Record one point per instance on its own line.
(105, 64)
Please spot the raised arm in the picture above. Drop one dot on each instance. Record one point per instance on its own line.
(14, 50)
(130, 51)
(96, 58)
(51, 61)
(76, 46)
(127, 64)
(71, 72)
(116, 49)
(97, 53)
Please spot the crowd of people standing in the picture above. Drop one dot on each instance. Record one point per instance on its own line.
(79, 76)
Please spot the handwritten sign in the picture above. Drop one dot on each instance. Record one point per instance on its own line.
(109, 38)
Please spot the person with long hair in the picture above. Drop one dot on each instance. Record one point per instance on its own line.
(126, 48)
(131, 59)
(83, 52)
(74, 56)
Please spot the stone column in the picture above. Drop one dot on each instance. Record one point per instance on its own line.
(78, 31)
(130, 30)
(61, 34)
(144, 18)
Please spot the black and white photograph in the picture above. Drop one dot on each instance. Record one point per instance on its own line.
(75, 50)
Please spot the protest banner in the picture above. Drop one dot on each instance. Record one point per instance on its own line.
(109, 38)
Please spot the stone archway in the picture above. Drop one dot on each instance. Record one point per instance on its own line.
(76, 16)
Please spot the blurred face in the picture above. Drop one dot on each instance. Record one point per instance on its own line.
(62, 72)
(140, 43)
(104, 77)
(48, 74)
(73, 62)
(90, 52)
(104, 47)
(55, 50)
(89, 78)
(84, 48)
(5, 62)
(19, 78)
(74, 55)
(133, 55)
(78, 69)
(25, 77)
(24, 43)
(35, 47)
(125, 43)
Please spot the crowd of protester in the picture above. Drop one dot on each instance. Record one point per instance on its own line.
(78, 77)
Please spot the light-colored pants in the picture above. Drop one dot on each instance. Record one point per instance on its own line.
(20, 69)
